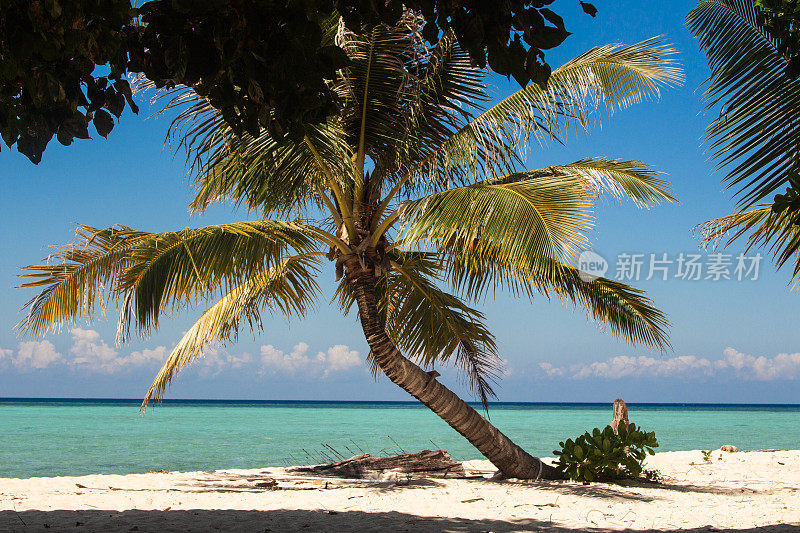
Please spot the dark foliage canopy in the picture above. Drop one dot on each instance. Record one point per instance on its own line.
(48, 83)
(64, 65)
(782, 20)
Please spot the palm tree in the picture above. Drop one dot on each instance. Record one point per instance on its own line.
(756, 133)
(418, 186)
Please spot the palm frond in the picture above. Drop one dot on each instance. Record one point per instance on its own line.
(432, 326)
(625, 310)
(146, 272)
(608, 77)
(179, 268)
(543, 215)
(619, 179)
(604, 78)
(755, 135)
(198, 126)
(444, 90)
(288, 288)
(630, 315)
(76, 276)
(273, 176)
(777, 232)
(373, 85)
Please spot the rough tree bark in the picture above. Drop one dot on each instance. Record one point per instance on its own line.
(509, 458)
(620, 414)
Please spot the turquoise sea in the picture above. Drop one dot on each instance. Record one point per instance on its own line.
(47, 437)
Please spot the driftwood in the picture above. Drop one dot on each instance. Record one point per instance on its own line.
(427, 463)
(620, 414)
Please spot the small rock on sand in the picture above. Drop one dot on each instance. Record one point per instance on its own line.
(729, 448)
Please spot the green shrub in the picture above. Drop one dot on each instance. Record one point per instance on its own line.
(652, 475)
(605, 455)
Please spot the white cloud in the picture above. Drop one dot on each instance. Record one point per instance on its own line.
(30, 355)
(214, 360)
(732, 364)
(147, 356)
(90, 353)
(782, 366)
(275, 360)
(88, 349)
(338, 358)
(35, 354)
(624, 366)
(550, 370)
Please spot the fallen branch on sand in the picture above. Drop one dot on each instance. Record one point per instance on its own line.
(427, 463)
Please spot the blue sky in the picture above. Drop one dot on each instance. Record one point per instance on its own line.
(734, 341)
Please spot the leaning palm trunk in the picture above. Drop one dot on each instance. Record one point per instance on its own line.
(509, 458)
(411, 125)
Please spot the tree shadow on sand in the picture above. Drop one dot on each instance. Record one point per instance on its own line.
(290, 520)
(620, 490)
(616, 491)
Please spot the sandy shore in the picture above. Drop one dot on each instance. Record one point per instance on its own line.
(744, 491)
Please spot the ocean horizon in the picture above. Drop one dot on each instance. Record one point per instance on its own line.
(138, 401)
(78, 436)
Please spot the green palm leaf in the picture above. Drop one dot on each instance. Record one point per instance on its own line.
(179, 268)
(610, 77)
(764, 228)
(543, 215)
(438, 103)
(432, 325)
(629, 314)
(288, 288)
(76, 275)
(525, 224)
(275, 177)
(619, 179)
(373, 85)
(150, 271)
(755, 134)
(625, 310)
(607, 77)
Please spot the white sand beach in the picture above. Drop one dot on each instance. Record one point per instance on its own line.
(743, 491)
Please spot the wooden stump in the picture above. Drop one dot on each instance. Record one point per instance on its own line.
(426, 463)
(620, 414)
